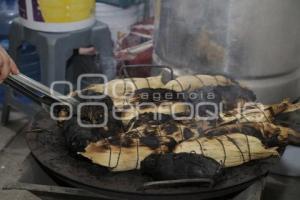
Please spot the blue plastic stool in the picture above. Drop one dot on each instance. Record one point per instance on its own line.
(54, 50)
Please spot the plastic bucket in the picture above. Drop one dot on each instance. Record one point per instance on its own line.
(57, 15)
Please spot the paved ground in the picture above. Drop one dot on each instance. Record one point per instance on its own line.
(13, 152)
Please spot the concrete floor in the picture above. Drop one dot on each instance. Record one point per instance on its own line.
(13, 152)
(14, 156)
(282, 188)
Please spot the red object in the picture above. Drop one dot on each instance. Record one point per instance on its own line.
(137, 47)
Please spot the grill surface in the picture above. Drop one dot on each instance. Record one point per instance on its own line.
(49, 149)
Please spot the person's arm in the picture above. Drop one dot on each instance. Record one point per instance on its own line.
(7, 65)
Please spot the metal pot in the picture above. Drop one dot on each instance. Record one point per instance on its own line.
(257, 41)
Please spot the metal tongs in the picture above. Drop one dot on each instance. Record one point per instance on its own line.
(47, 97)
(38, 92)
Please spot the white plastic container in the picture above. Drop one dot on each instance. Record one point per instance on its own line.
(118, 19)
(57, 15)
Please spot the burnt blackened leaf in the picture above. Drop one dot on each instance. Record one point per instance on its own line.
(187, 134)
(77, 138)
(289, 119)
(150, 141)
(170, 128)
(229, 96)
(150, 119)
(121, 141)
(171, 144)
(172, 166)
(250, 129)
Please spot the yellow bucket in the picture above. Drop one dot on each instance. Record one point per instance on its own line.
(57, 15)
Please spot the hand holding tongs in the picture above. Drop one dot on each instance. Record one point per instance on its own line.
(38, 92)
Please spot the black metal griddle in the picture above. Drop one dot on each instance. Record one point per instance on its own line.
(48, 147)
(47, 144)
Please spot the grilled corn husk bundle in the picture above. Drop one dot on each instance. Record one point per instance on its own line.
(193, 82)
(243, 130)
(229, 150)
(230, 145)
(132, 97)
(126, 151)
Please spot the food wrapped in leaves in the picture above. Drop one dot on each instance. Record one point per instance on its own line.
(242, 131)
(230, 150)
(193, 82)
(125, 151)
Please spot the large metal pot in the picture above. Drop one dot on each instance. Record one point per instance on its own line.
(257, 41)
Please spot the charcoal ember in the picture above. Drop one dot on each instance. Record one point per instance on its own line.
(173, 166)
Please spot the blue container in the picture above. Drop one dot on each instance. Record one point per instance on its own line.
(8, 11)
(29, 65)
(28, 58)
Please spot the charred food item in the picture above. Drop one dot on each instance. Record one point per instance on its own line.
(233, 139)
(197, 100)
(226, 97)
(230, 144)
(290, 119)
(172, 166)
(126, 151)
(270, 134)
(82, 128)
(230, 150)
(254, 112)
(132, 97)
(139, 101)
(190, 83)
(120, 90)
